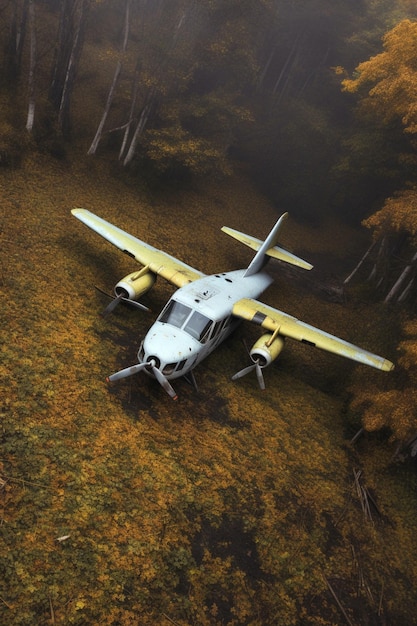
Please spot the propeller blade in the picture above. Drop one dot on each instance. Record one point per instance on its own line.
(164, 382)
(113, 304)
(250, 368)
(243, 372)
(116, 300)
(260, 376)
(136, 304)
(128, 371)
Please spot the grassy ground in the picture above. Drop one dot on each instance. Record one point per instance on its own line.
(230, 506)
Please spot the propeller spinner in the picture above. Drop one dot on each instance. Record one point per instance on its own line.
(150, 365)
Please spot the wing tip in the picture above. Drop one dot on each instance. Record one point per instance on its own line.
(387, 366)
(78, 211)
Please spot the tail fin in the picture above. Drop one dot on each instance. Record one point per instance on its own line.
(267, 248)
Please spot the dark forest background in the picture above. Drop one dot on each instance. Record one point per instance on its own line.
(179, 88)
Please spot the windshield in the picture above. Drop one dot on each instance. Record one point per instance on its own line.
(198, 326)
(194, 323)
(175, 313)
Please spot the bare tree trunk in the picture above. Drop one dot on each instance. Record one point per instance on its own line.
(377, 273)
(138, 131)
(99, 132)
(135, 90)
(359, 265)
(64, 107)
(404, 295)
(264, 72)
(313, 72)
(289, 61)
(62, 52)
(396, 290)
(149, 103)
(32, 68)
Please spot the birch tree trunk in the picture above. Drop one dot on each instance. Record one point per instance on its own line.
(359, 265)
(32, 68)
(138, 131)
(135, 91)
(99, 132)
(287, 65)
(380, 266)
(265, 69)
(62, 53)
(64, 107)
(149, 103)
(398, 288)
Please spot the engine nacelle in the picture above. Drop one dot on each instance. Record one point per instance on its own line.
(134, 285)
(267, 349)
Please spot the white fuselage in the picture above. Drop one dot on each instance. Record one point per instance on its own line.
(197, 319)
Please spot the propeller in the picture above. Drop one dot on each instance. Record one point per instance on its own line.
(128, 371)
(115, 300)
(151, 364)
(258, 369)
(163, 381)
(256, 365)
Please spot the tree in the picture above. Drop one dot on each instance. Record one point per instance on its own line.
(395, 409)
(186, 69)
(386, 85)
(118, 69)
(396, 224)
(388, 81)
(72, 24)
(299, 111)
(32, 68)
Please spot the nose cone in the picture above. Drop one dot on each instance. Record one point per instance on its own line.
(169, 345)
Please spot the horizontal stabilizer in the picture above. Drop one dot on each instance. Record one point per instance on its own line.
(275, 252)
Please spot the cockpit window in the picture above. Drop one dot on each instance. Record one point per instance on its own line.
(194, 323)
(198, 326)
(175, 313)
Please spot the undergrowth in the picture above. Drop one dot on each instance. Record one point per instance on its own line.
(230, 506)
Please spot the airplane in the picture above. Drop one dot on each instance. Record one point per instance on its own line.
(205, 309)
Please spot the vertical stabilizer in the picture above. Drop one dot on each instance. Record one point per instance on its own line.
(261, 257)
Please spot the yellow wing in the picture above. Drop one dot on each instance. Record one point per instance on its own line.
(161, 263)
(276, 321)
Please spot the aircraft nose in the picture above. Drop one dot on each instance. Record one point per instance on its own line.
(166, 345)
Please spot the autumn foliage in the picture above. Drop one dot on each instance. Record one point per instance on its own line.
(386, 86)
(118, 506)
(389, 78)
(230, 507)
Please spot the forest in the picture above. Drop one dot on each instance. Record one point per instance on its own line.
(293, 506)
